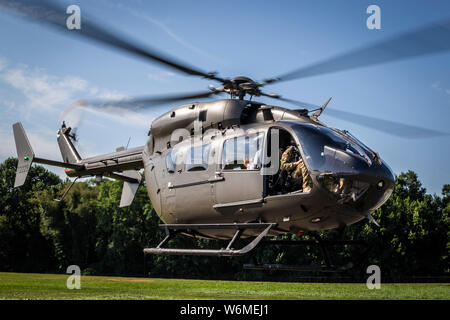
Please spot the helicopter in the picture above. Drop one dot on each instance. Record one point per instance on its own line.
(212, 169)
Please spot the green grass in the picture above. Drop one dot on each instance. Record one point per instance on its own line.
(53, 286)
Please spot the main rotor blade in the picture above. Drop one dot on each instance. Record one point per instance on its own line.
(138, 103)
(294, 102)
(431, 39)
(55, 16)
(386, 126)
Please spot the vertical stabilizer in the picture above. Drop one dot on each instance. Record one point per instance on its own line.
(25, 154)
(68, 151)
(129, 188)
(131, 181)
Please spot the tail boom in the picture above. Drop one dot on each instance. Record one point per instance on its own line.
(123, 164)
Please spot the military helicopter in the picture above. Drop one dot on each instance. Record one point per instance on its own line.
(212, 169)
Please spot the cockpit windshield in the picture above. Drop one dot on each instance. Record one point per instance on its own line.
(318, 141)
(362, 145)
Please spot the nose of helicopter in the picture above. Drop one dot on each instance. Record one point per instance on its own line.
(363, 191)
(382, 180)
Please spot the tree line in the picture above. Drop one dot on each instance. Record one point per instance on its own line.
(87, 228)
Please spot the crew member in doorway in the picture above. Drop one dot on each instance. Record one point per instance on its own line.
(292, 163)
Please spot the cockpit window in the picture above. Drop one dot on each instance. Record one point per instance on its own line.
(361, 144)
(314, 139)
(197, 158)
(171, 161)
(243, 153)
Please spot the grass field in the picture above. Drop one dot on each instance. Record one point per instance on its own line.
(53, 286)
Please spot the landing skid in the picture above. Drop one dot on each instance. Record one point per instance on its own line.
(172, 229)
(305, 268)
(240, 228)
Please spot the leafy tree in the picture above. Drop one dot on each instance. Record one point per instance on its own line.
(413, 233)
(38, 234)
(23, 247)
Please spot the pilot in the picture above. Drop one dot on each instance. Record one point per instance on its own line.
(256, 161)
(296, 168)
(247, 163)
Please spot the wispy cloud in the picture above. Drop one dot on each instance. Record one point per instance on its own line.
(438, 87)
(3, 63)
(43, 144)
(43, 140)
(122, 116)
(160, 75)
(46, 92)
(51, 94)
(170, 33)
(40, 97)
(175, 37)
(7, 148)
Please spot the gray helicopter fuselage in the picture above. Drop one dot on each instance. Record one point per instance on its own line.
(190, 180)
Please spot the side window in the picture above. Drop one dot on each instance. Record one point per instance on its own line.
(171, 161)
(243, 153)
(197, 158)
(255, 142)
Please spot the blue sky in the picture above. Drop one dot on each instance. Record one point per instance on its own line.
(42, 71)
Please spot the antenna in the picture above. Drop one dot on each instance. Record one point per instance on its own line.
(319, 111)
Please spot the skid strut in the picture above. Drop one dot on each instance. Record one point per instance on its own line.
(240, 228)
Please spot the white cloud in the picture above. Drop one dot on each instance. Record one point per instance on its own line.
(160, 75)
(7, 148)
(169, 32)
(45, 92)
(438, 87)
(42, 142)
(10, 105)
(122, 116)
(44, 145)
(110, 95)
(46, 96)
(54, 95)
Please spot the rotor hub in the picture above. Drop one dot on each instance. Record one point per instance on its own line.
(240, 86)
